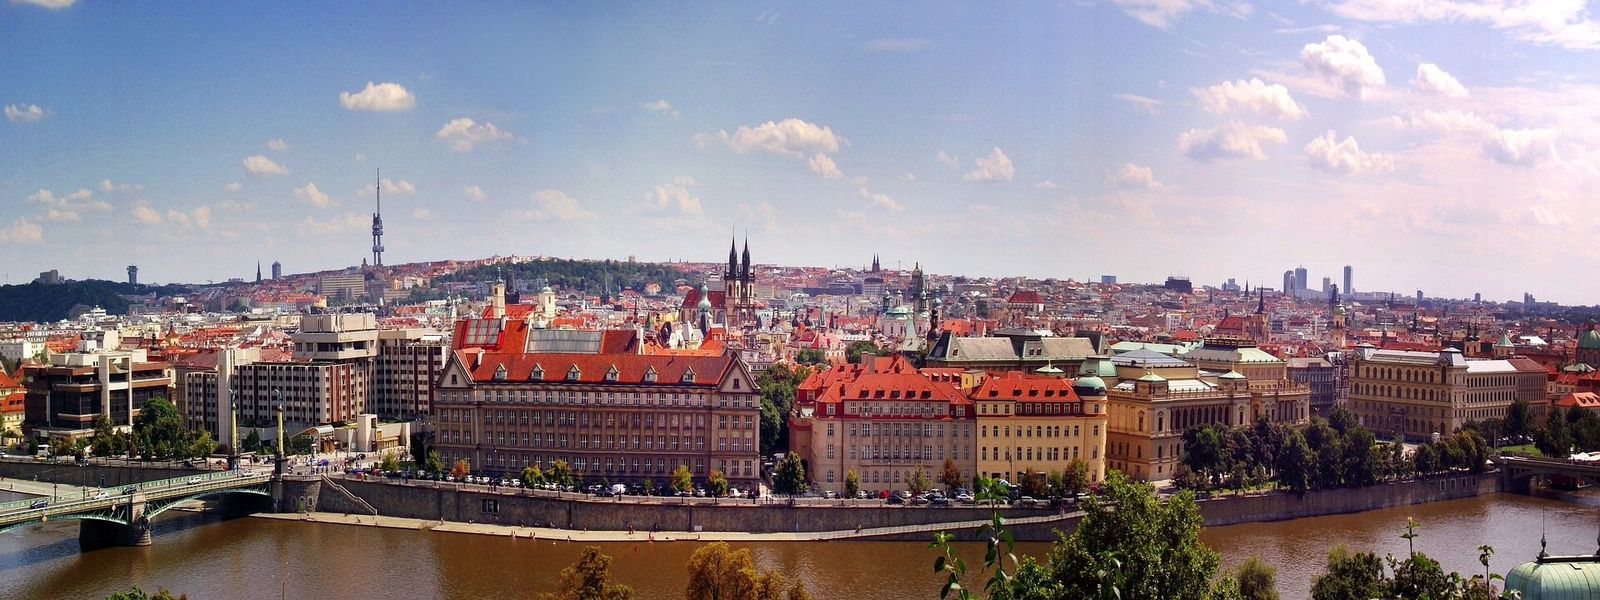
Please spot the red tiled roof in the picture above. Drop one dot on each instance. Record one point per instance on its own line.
(691, 299)
(1589, 400)
(1025, 297)
(594, 368)
(13, 403)
(1015, 386)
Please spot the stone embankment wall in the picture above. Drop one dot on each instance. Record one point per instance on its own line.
(116, 475)
(1279, 507)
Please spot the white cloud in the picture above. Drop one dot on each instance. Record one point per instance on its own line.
(106, 185)
(673, 197)
(142, 213)
(880, 200)
(1345, 61)
(824, 166)
(25, 113)
(1434, 80)
(1132, 176)
(50, 4)
(762, 215)
(661, 106)
(993, 168)
(1141, 103)
(233, 186)
(379, 97)
(948, 161)
(398, 188)
(1326, 152)
(464, 133)
(1229, 141)
(554, 205)
(1521, 146)
(908, 177)
(1046, 185)
(261, 165)
(1564, 23)
(474, 193)
(894, 45)
(1446, 121)
(791, 137)
(278, 144)
(337, 225)
(202, 217)
(1253, 96)
(421, 214)
(21, 231)
(67, 207)
(311, 194)
(1162, 13)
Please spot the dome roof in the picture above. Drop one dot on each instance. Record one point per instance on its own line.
(1556, 578)
(1089, 386)
(1590, 340)
(1231, 375)
(1048, 369)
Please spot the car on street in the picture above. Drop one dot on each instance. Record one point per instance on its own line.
(829, 495)
(129, 490)
(965, 498)
(39, 504)
(102, 495)
(194, 481)
(896, 499)
(1027, 501)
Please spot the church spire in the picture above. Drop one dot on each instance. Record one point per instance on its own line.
(1261, 300)
(744, 272)
(733, 257)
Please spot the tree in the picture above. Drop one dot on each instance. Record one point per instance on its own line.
(790, 477)
(717, 484)
(1153, 546)
(1075, 479)
(1032, 484)
(853, 352)
(1203, 451)
(682, 480)
(1342, 419)
(60, 446)
(1257, 580)
(106, 440)
(950, 475)
(252, 441)
(1585, 429)
(434, 464)
(919, 481)
(1553, 439)
(718, 572)
(1360, 465)
(1349, 575)
(134, 593)
(560, 474)
(1295, 462)
(160, 428)
(1426, 459)
(1519, 419)
(390, 463)
(649, 487)
(589, 579)
(852, 483)
(773, 427)
(461, 469)
(532, 476)
(811, 356)
(202, 446)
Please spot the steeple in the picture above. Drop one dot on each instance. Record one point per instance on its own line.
(744, 272)
(733, 258)
(1261, 300)
(258, 271)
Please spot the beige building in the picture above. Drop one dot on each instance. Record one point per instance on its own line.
(1038, 424)
(1418, 394)
(1155, 399)
(1274, 395)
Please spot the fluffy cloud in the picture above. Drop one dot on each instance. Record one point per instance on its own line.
(993, 168)
(908, 177)
(661, 106)
(106, 185)
(949, 161)
(199, 218)
(1162, 13)
(790, 137)
(1564, 23)
(673, 197)
(337, 225)
(1521, 146)
(1344, 61)
(1434, 80)
(1141, 103)
(277, 144)
(464, 133)
(1446, 121)
(261, 165)
(379, 97)
(311, 194)
(762, 215)
(474, 193)
(1253, 96)
(1133, 177)
(233, 186)
(554, 205)
(1229, 141)
(880, 200)
(143, 214)
(21, 231)
(398, 188)
(50, 4)
(421, 214)
(1329, 154)
(25, 113)
(824, 166)
(1046, 185)
(894, 45)
(67, 207)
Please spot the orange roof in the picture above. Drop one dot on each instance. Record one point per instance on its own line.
(1015, 386)
(13, 402)
(1589, 400)
(596, 368)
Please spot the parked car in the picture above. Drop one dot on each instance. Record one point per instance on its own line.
(939, 501)
(965, 498)
(896, 499)
(829, 495)
(1027, 501)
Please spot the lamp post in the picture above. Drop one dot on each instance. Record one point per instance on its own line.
(278, 397)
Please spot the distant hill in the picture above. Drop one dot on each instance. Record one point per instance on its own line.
(41, 303)
(583, 275)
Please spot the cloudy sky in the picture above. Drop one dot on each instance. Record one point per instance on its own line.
(1444, 145)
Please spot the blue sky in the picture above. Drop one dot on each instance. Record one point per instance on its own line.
(1435, 144)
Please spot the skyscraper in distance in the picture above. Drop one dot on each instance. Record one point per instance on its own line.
(1348, 288)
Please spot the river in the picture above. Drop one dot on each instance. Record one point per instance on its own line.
(248, 558)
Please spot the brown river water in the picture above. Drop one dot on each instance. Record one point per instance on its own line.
(247, 558)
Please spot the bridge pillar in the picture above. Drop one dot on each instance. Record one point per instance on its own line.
(95, 534)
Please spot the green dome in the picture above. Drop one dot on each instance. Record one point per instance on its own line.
(1590, 340)
(1557, 578)
(1089, 386)
(1231, 375)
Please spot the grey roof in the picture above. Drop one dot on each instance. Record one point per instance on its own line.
(1145, 357)
(978, 349)
(1308, 362)
(1231, 355)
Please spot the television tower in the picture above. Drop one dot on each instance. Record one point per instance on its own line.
(377, 225)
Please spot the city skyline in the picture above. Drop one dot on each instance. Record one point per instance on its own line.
(1141, 139)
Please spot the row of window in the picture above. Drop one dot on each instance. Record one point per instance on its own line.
(1023, 431)
(1033, 453)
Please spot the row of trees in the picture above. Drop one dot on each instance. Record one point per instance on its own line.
(158, 434)
(1331, 453)
(716, 572)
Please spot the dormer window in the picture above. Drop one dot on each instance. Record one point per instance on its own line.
(611, 375)
(537, 374)
(573, 373)
(688, 375)
(500, 372)
(650, 375)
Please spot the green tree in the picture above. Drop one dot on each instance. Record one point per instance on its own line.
(390, 463)
(717, 484)
(434, 464)
(1032, 483)
(1360, 464)
(773, 427)
(560, 473)
(1342, 419)
(134, 593)
(1585, 429)
(532, 476)
(649, 487)
(718, 572)
(252, 441)
(853, 352)
(852, 483)
(950, 475)
(919, 481)
(790, 476)
(1295, 462)
(1519, 419)
(1426, 459)
(811, 356)
(159, 428)
(1204, 449)
(202, 447)
(1156, 546)
(1349, 575)
(682, 480)
(1553, 439)
(60, 446)
(1257, 580)
(106, 440)
(589, 579)
(1075, 479)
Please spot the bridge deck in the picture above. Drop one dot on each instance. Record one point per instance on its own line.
(23, 511)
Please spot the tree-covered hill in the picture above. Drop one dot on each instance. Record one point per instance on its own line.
(41, 302)
(584, 275)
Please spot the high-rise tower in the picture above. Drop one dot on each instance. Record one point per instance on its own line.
(377, 225)
(1349, 274)
(133, 274)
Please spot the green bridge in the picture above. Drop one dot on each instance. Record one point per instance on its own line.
(122, 517)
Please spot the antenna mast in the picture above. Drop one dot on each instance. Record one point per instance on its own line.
(377, 224)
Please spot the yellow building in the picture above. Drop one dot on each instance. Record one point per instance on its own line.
(1273, 395)
(1038, 423)
(1157, 398)
(1418, 394)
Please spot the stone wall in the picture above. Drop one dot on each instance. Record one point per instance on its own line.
(1279, 507)
(116, 475)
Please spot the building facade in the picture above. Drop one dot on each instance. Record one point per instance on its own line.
(408, 366)
(67, 397)
(1415, 395)
(1039, 425)
(1155, 399)
(1321, 377)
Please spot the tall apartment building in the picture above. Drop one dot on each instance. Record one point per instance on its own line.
(1321, 377)
(1415, 394)
(511, 397)
(68, 396)
(409, 364)
(342, 286)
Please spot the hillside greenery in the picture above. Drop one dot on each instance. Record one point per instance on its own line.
(39, 302)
